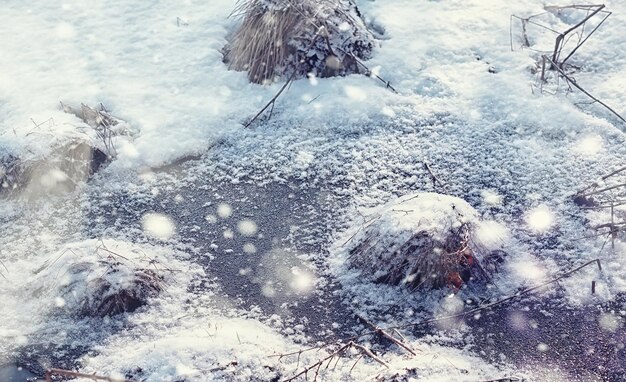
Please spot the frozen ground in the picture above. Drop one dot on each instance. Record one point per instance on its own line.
(253, 220)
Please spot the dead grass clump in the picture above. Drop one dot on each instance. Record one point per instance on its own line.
(423, 240)
(61, 171)
(102, 122)
(112, 296)
(298, 38)
(101, 282)
(68, 162)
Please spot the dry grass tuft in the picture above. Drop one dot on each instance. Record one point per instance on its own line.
(285, 38)
(421, 241)
(110, 299)
(67, 166)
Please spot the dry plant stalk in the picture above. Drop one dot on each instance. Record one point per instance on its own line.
(557, 59)
(68, 373)
(346, 343)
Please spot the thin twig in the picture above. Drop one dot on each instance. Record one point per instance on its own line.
(573, 83)
(69, 373)
(502, 301)
(272, 101)
(370, 354)
(388, 336)
(594, 192)
(320, 362)
(285, 86)
(350, 341)
(434, 177)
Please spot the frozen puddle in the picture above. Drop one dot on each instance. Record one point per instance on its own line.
(14, 373)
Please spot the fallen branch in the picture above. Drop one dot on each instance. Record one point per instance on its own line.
(69, 373)
(561, 37)
(594, 192)
(434, 177)
(381, 332)
(502, 301)
(272, 101)
(319, 363)
(370, 354)
(349, 342)
(370, 73)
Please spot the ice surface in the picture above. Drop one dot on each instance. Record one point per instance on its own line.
(514, 156)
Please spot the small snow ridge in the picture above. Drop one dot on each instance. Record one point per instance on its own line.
(424, 240)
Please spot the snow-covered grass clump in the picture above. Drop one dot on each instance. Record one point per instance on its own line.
(298, 38)
(423, 240)
(101, 279)
(55, 157)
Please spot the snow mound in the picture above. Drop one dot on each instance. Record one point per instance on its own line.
(97, 279)
(218, 348)
(422, 240)
(58, 171)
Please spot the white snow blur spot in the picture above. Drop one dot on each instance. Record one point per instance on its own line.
(211, 219)
(268, 290)
(228, 234)
(450, 306)
(304, 158)
(302, 280)
(388, 112)
(355, 93)
(59, 302)
(610, 322)
(52, 177)
(224, 210)
(313, 79)
(183, 370)
(518, 320)
(540, 219)
(65, 30)
(344, 26)
(589, 145)
(158, 225)
(542, 347)
(225, 91)
(245, 271)
(249, 248)
(128, 150)
(491, 198)
(491, 234)
(147, 176)
(247, 227)
(529, 270)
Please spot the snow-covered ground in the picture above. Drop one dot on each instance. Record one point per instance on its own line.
(248, 224)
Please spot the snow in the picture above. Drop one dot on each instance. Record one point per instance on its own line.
(513, 155)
